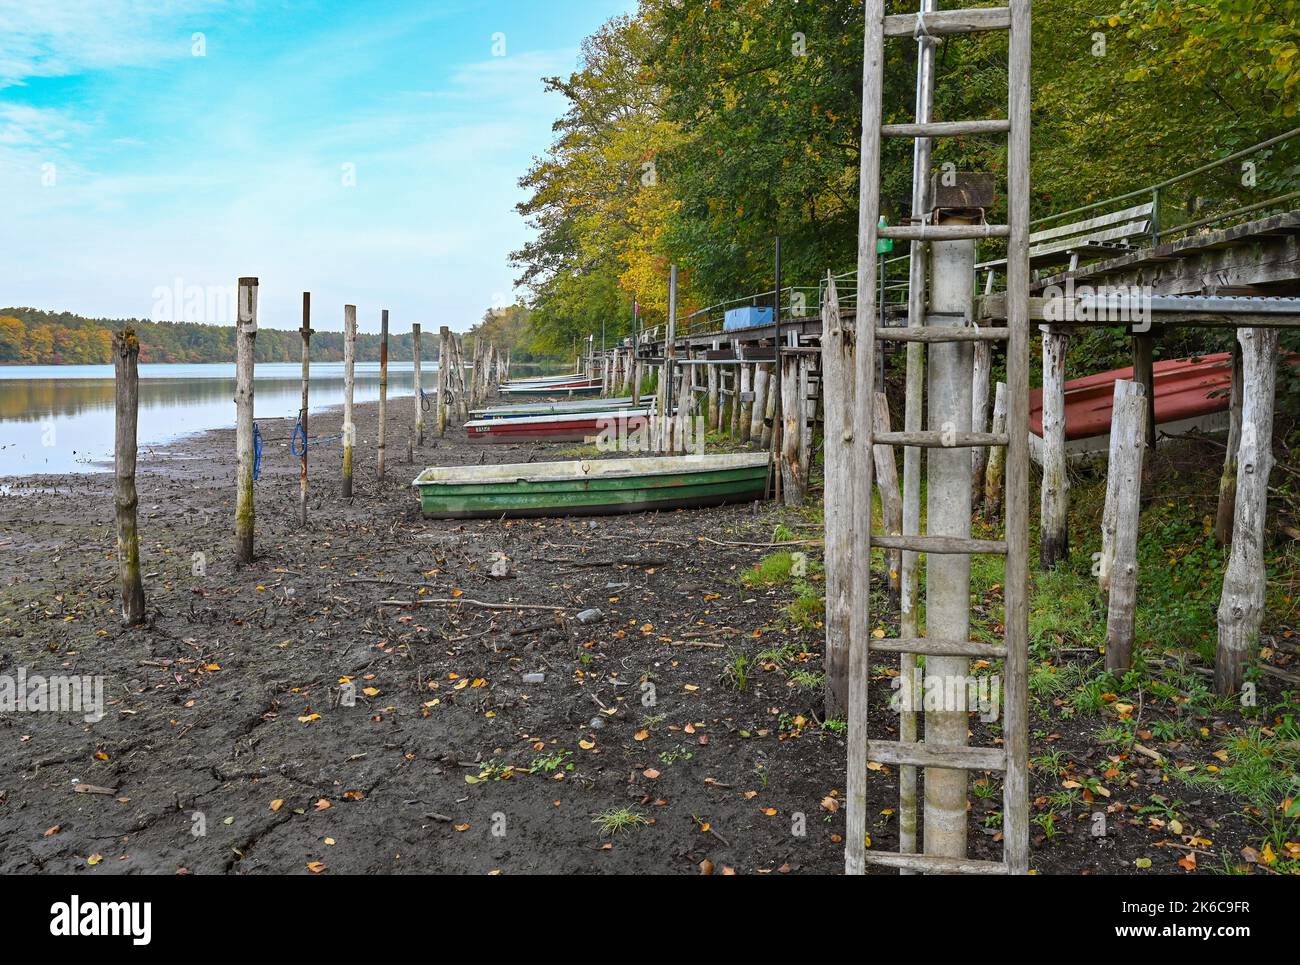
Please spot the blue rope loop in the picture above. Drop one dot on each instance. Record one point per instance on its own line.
(257, 451)
(425, 404)
(298, 449)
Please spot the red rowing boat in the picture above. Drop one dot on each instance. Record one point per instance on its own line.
(562, 427)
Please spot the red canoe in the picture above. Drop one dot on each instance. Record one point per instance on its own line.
(1186, 389)
(563, 427)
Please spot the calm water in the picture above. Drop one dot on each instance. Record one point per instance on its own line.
(59, 418)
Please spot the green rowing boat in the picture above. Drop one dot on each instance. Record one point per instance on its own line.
(591, 487)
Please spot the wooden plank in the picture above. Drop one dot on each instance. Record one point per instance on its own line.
(931, 439)
(1015, 785)
(945, 128)
(941, 23)
(940, 544)
(937, 755)
(929, 646)
(947, 232)
(1134, 213)
(934, 864)
(941, 333)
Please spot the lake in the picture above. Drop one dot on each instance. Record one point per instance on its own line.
(59, 418)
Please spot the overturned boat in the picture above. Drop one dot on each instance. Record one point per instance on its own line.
(558, 426)
(591, 487)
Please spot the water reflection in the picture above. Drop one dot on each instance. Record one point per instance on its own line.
(59, 418)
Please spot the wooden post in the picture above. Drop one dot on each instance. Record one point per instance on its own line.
(980, 413)
(245, 340)
(126, 355)
(418, 389)
(1228, 481)
(305, 332)
(1144, 372)
(444, 360)
(891, 500)
(992, 482)
(1123, 504)
(714, 393)
(458, 370)
(735, 399)
(349, 367)
(1241, 607)
(806, 412)
(760, 405)
(666, 370)
(1115, 481)
(792, 480)
(837, 383)
(383, 395)
(1054, 524)
(682, 418)
(770, 428)
(747, 408)
(474, 367)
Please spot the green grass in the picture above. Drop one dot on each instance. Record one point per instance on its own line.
(617, 820)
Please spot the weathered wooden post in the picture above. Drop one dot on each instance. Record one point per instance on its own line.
(948, 513)
(1228, 481)
(770, 427)
(997, 457)
(734, 421)
(474, 367)
(444, 360)
(349, 366)
(245, 340)
(126, 356)
(1054, 523)
(714, 392)
(666, 370)
(759, 409)
(837, 385)
(1144, 352)
(415, 378)
(458, 369)
(891, 499)
(1241, 607)
(980, 413)
(793, 483)
(1123, 505)
(383, 395)
(1115, 481)
(305, 332)
(747, 402)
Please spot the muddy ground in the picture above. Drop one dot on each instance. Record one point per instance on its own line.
(228, 745)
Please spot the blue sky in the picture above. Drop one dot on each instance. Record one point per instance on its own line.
(129, 165)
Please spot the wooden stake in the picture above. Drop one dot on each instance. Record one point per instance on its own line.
(837, 384)
(305, 332)
(1054, 523)
(997, 457)
(245, 339)
(746, 408)
(891, 500)
(980, 413)
(1241, 607)
(1228, 481)
(415, 377)
(1144, 372)
(1115, 481)
(1123, 504)
(349, 366)
(383, 395)
(758, 428)
(126, 355)
(444, 362)
(793, 483)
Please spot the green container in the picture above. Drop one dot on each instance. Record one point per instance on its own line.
(591, 487)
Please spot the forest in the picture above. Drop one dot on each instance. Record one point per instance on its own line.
(698, 133)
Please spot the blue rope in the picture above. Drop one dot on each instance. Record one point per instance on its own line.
(425, 404)
(257, 451)
(298, 433)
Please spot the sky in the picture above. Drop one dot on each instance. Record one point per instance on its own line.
(153, 152)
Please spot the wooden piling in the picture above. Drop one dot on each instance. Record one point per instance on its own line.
(444, 354)
(715, 387)
(793, 483)
(747, 403)
(383, 395)
(980, 413)
(992, 483)
(837, 385)
(758, 423)
(349, 375)
(891, 499)
(1115, 481)
(1241, 606)
(1123, 504)
(1228, 480)
(418, 431)
(1054, 524)
(1144, 372)
(126, 356)
(245, 340)
(305, 332)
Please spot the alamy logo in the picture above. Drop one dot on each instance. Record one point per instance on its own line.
(75, 918)
(1127, 304)
(22, 693)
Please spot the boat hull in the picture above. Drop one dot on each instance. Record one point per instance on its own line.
(559, 389)
(608, 487)
(562, 427)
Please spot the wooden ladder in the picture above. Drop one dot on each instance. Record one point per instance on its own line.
(1011, 757)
